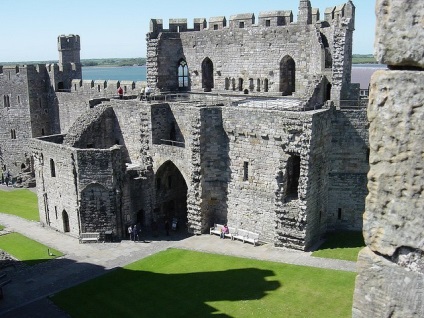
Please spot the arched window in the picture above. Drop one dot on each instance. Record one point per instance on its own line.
(240, 84)
(287, 76)
(207, 75)
(266, 85)
(182, 75)
(258, 85)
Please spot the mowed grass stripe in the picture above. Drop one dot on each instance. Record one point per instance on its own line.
(179, 283)
(26, 250)
(21, 203)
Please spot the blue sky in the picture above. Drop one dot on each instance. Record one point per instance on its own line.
(118, 29)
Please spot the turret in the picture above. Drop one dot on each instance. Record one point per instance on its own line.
(305, 12)
(69, 47)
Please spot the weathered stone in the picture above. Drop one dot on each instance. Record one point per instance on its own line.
(386, 289)
(399, 39)
(393, 215)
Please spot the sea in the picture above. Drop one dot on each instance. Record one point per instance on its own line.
(361, 73)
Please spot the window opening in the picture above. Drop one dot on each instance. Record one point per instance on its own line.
(267, 23)
(240, 84)
(52, 168)
(339, 214)
(258, 85)
(266, 85)
(293, 175)
(227, 84)
(182, 74)
(245, 171)
(13, 134)
(207, 75)
(287, 76)
(241, 25)
(42, 131)
(215, 26)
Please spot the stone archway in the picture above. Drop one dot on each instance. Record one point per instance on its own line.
(171, 195)
(207, 75)
(287, 76)
(65, 218)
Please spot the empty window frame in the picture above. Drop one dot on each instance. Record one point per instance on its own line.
(245, 171)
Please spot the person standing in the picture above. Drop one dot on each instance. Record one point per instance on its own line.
(135, 233)
(130, 232)
(120, 92)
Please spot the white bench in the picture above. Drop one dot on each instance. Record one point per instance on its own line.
(217, 228)
(247, 236)
(89, 237)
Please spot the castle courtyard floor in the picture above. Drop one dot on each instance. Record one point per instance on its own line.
(26, 295)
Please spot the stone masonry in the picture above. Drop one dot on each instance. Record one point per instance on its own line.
(390, 282)
(253, 124)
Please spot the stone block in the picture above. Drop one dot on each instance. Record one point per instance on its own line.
(379, 289)
(399, 37)
(394, 205)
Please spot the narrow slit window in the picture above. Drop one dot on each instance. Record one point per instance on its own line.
(52, 168)
(339, 214)
(245, 171)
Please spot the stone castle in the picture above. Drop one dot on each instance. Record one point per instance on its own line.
(252, 123)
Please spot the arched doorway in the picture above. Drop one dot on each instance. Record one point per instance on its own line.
(65, 218)
(207, 75)
(171, 195)
(287, 76)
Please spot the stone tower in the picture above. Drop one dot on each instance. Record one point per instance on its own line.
(69, 47)
(305, 12)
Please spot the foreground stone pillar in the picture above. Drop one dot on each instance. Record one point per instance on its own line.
(390, 282)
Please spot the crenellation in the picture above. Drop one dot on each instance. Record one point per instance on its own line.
(240, 21)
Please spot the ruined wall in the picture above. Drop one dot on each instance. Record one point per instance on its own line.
(348, 169)
(55, 168)
(215, 161)
(390, 282)
(260, 144)
(15, 124)
(235, 54)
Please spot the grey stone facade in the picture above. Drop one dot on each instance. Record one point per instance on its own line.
(256, 125)
(390, 282)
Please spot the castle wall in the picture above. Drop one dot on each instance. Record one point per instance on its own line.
(232, 58)
(55, 167)
(348, 169)
(15, 126)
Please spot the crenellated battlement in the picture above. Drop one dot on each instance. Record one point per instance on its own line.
(306, 15)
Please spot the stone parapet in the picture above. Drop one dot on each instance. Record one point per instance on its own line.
(399, 39)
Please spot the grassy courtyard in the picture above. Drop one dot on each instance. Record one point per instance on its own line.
(179, 283)
(26, 250)
(21, 203)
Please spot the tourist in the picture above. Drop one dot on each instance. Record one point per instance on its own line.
(135, 233)
(130, 232)
(120, 92)
(224, 230)
(8, 178)
(147, 92)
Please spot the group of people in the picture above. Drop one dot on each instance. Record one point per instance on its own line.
(144, 94)
(6, 177)
(134, 232)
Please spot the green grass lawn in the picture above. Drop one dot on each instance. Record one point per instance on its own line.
(26, 250)
(341, 245)
(22, 203)
(179, 283)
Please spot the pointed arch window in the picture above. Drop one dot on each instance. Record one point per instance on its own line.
(182, 74)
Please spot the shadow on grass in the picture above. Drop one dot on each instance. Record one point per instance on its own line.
(134, 293)
(345, 239)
